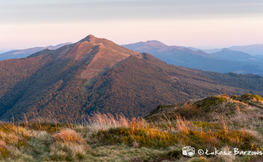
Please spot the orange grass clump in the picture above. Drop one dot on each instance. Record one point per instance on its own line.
(69, 136)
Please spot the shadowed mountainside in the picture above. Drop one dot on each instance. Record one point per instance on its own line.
(96, 74)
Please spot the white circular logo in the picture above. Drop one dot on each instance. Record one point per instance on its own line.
(188, 151)
(201, 152)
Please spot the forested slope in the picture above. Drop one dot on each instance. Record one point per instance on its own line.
(98, 75)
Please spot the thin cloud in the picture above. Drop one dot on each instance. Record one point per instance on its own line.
(65, 11)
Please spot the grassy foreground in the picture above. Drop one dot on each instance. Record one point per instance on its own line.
(220, 122)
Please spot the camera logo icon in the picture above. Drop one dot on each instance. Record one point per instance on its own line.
(188, 151)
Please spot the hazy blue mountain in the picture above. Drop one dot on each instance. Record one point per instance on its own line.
(26, 52)
(259, 56)
(197, 59)
(194, 49)
(211, 50)
(4, 50)
(234, 55)
(255, 49)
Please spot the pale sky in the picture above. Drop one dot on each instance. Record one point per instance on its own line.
(196, 23)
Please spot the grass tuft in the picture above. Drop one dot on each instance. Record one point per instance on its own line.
(216, 122)
(68, 136)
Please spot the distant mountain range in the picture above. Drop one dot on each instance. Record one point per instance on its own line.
(4, 50)
(26, 52)
(254, 50)
(97, 75)
(218, 60)
(234, 55)
(223, 61)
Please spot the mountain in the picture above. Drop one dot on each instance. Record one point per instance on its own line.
(26, 52)
(255, 49)
(259, 57)
(194, 49)
(211, 50)
(252, 64)
(4, 50)
(234, 55)
(97, 75)
(153, 46)
(181, 56)
(19, 53)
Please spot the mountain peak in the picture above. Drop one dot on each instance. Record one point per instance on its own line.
(155, 43)
(226, 49)
(90, 38)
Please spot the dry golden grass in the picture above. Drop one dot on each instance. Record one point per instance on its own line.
(107, 137)
(100, 121)
(69, 136)
(181, 125)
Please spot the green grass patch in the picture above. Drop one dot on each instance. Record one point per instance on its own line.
(4, 153)
(124, 153)
(219, 139)
(247, 97)
(207, 125)
(208, 102)
(146, 137)
(160, 107)
(49, 127)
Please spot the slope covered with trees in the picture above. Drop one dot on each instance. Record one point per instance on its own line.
(98, 75)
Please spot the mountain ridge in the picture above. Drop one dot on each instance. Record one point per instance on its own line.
(234, 55)
(13, 54)
(77, 80)
(254, 49)
(197, 59)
